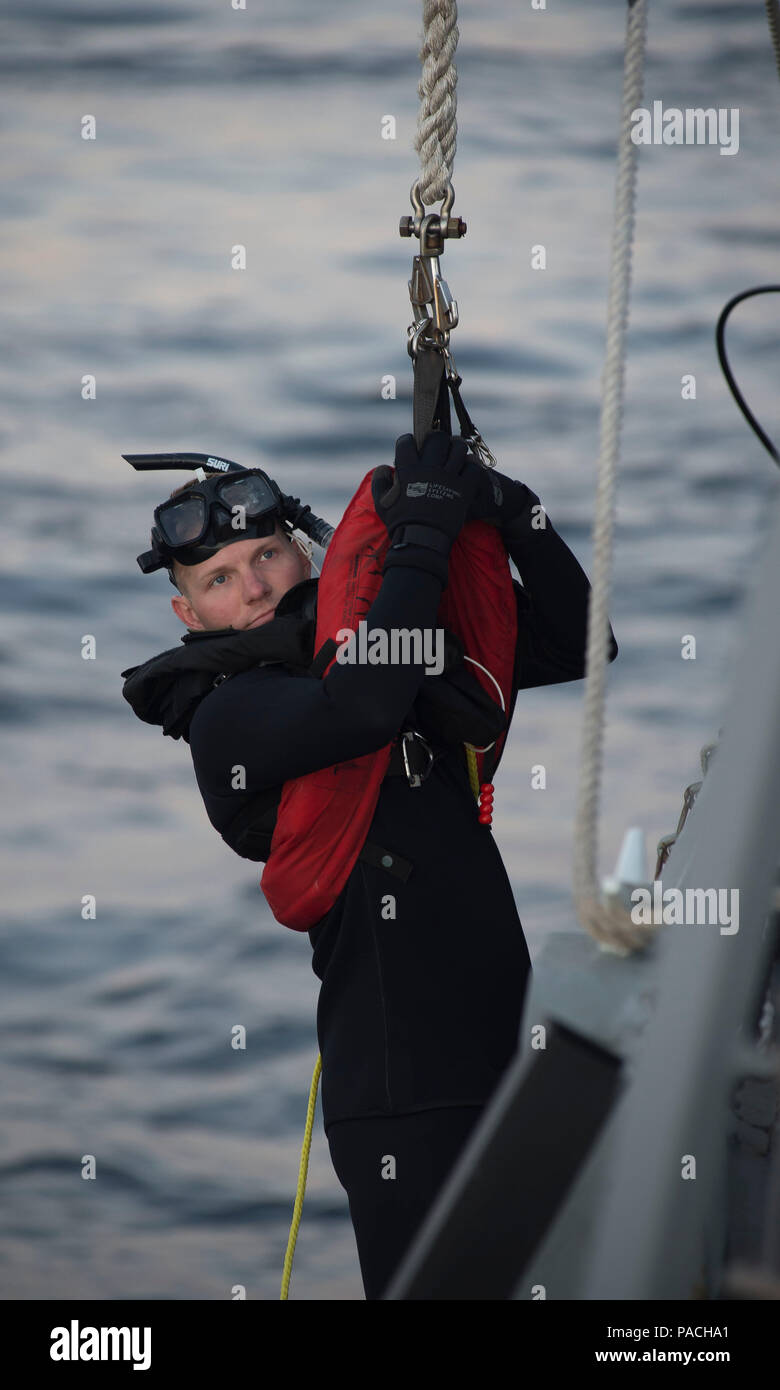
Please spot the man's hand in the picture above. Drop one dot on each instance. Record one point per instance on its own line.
(426, 501)
(499, 499)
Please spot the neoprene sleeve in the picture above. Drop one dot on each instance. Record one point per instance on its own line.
(555, 597)
(279, 726)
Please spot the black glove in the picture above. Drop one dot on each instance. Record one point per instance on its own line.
(500, 500)
(426, 502)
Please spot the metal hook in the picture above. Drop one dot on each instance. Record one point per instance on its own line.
(415, 779)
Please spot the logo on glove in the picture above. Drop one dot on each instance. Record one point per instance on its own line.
(436, 491)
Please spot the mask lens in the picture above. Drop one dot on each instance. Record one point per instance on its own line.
(253, 494)
(183, 521)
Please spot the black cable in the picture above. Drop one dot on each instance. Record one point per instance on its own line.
(727, 372)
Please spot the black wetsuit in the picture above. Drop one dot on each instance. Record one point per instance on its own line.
(419, 1010)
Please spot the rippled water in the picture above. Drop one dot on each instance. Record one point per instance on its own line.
(217, 127)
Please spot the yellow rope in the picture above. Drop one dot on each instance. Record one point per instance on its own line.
(302, 1172)
(471, 759)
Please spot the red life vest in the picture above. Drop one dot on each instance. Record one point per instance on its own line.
(324, 817)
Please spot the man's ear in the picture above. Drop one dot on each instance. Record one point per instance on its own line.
(185, 611)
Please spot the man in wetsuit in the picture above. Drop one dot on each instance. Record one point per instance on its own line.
(418, 1012)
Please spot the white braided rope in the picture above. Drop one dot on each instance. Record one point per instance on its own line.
(609, 922)
(437, 127)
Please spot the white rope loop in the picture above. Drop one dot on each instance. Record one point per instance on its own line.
(611, 925)
(437, 127)
(491, 677)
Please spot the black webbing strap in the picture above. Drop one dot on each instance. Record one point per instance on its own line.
(466, 423)
(326, 652)
(250, 832)
(431, 406)
(381, 858)
(431, 411)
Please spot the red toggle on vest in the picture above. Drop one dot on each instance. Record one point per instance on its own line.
(324, 817)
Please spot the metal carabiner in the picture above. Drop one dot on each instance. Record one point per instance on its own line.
(415, 779)
(431, 300)
(415, 334)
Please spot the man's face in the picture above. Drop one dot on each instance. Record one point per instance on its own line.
(241, 585)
